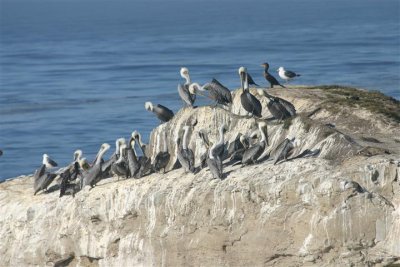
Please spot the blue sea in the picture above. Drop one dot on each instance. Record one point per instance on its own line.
(76, 74)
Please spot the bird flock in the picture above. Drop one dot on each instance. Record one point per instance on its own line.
(127, 163)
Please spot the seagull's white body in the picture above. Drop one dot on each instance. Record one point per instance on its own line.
(48, 162)
(286, 75)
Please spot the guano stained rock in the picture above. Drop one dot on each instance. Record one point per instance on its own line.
(339, 208)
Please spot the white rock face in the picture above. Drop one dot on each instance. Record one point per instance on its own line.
(340, 208)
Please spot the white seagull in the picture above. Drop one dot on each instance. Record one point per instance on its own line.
(48, 162)
(286, 75)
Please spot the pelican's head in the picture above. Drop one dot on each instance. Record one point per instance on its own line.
(242, 139)
(194, 87)
(77, 155)
(265, 65)
(262, 124)
(242, 70)
(121, 152)
(242, 73)
(135, 134)
(84, 164)
(184, 72)
(280, 69)
(260, 92)
(121, 141)
(118, 144)
(148, 106)
(105, 147)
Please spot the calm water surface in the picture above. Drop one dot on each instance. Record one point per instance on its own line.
(75, 74)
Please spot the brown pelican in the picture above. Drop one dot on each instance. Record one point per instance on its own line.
(42, 179)
(83, 163)
(219, 93)
(249, 102)
(133, 162)
(188, 153)
(271, 79)
(106, 166)
(120, 167)
(184, 154)
(279, 108)
(49, 162)
(164, 114)
(219, 147)
(203, 157)
(286, 75)
(95, 173)
(238, 148)
(138, 137)
(251, 155)
(284, 150)
(66, 177)
(144, 161)
(162, 158)
(240, 145)
(71, 172)
(214, 163)
(183, 89)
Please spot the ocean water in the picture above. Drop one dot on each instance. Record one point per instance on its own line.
(75, 74)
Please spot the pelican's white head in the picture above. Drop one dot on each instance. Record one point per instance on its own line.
(194, 87)
(121, 152)
(78, 154)
(262, 124)
(118, 144)
(242, 70)
(135, 134)
(105, 147)
(184, 72)
(280, 69)
(149, 106)
(254, 134)
(121, 141)
(84, 164)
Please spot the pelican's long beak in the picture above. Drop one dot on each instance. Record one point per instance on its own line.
(242, 78)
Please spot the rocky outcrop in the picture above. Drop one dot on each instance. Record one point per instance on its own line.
(341, 207)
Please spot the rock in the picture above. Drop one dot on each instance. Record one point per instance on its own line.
(340, 207)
